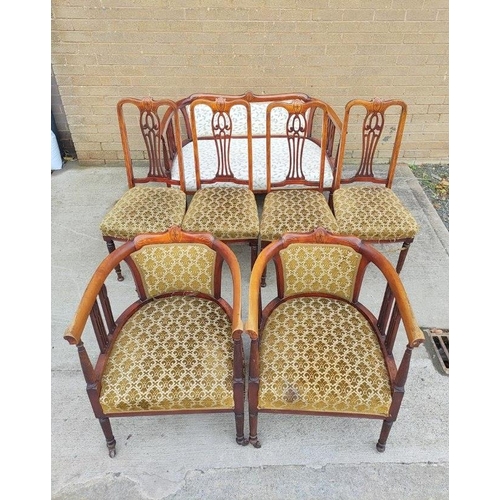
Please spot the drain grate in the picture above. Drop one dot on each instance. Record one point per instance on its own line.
(438, 343)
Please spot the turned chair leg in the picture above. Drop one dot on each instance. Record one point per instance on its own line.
(239, 393)
(264, 274)
(108, 434)
(253, 394)
(111, 247)
(254, 250)
(388, 298)
(384, 434)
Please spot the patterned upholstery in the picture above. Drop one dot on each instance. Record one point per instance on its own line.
(280, 160)
(373, 214)
(173, 354)
(320, 268)
(319, 354)
(294, 210)
(229, 213)
(176, 267)
(144, 209)
(203, 116)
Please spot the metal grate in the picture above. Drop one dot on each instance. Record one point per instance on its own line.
(438, 342)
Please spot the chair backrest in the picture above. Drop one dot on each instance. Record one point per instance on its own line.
(376, 128)
(151, 138)
(172, 263)
(324, 264)
(258, 104)
(222, 141)
(300, 139)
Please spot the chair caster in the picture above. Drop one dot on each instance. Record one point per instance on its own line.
(111, 449)
(254, 442)
(242, 441)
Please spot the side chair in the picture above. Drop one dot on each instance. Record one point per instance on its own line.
(224, 203)
(363, 200)
(300, 169)
(151, 138)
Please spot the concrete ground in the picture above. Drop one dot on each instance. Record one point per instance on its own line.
(195, 456)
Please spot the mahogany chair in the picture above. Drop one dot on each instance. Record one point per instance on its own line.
(178, 347)
(316, 348)
(363, 201)
(151, 138)
(297, 167)
(224, 204)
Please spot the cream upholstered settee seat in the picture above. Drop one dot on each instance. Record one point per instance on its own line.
(278, 147)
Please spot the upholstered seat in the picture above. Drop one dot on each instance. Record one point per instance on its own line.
(224, 204)
(229, 213)
(144, 209)
(280, 161)
(177, 347)
(373, 214)
(362, 200)
(295, 200)
(164, 359)
(316, 348)
(154, 124)
(294, 210)
(320, 354)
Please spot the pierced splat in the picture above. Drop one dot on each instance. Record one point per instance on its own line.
(222, 134)
(296, 134)
(150, 129)
(222, 128)
(375, 120)
(159, 127)
(301, 119)
(373, 125)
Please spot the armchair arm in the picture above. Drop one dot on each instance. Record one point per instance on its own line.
(413, 332)
(74, 331)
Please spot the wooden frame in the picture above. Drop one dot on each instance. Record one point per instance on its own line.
(158, 125)
(96, 306)
(257, 318)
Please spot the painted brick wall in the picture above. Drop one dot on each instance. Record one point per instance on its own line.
(335, 50)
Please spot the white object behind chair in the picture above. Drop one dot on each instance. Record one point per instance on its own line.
(56, 163)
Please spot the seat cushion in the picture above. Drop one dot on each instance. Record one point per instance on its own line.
(144, 209)
(174, 353)
(280, 162)
(229, 213)
(373, 214)
(319, 354)
(294, 210)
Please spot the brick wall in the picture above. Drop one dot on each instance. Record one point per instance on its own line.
(334, 50)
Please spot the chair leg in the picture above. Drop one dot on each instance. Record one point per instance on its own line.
(239, 393)
(264, 274)
(254, 250)
(253, 394)
(108, 434)
(384, 434)
(388, 300)
(111, 247)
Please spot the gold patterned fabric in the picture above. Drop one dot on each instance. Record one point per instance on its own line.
(176, 267)
(320, 354)
(373, 214)
(294, 210)
(320, 268)
(174, 353)
(144, 209)
(229, 213)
